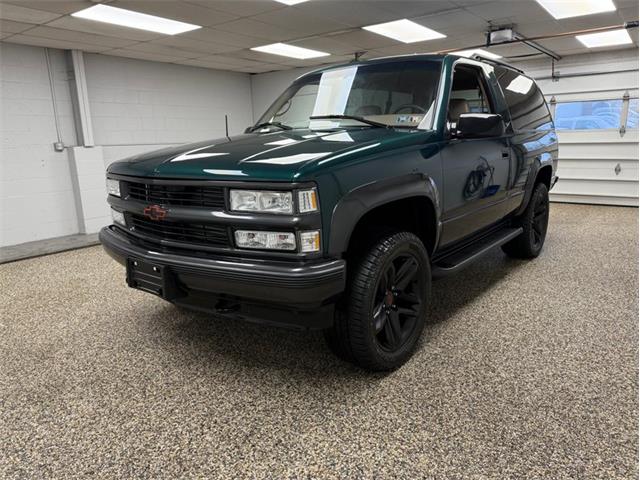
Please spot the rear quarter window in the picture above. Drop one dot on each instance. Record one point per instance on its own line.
(526, 103)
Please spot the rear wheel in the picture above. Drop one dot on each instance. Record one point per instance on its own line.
(534, 222)
(384, 315)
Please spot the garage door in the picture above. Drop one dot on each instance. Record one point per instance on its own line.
(598, 141)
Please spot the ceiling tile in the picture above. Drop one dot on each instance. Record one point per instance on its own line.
(143, 55)
(226, 38)
(8, 26)
(591, 21)
(88, 26)
(453, 24)
(210, 64)
(82, 37)
(193, 45)
(236, 61)
(166, 50)
(303, 24)
(241, 8)
(514, 10)
(26, 15)
(356, 13)
(363, 40)
(326, 44)
(51, 43)
(414, 8)
(259, 29)
(54, 6)
(181, 11)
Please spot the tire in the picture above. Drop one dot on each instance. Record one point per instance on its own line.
(534, 222)
(385, 310)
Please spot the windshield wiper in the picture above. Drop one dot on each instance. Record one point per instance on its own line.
(350, 117)
(281, 126)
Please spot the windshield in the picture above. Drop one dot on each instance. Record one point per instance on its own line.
(394, 94)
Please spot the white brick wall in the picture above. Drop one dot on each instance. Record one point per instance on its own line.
(36, 195)
(139, 102)
(136, 106)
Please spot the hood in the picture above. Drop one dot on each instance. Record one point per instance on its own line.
(278, 156)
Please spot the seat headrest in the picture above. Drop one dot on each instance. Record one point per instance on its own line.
(457, 106)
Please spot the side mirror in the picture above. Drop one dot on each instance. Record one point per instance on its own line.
(479, 125)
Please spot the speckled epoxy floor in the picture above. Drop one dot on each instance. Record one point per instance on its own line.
(529, 370)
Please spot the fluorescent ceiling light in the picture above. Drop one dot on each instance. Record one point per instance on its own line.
(404, 31)
(291, 2)
(605, 39)
(285, 50)
(576, 8)
(477, 51)
(128, 18)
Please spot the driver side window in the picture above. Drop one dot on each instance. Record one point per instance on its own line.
(468, 94)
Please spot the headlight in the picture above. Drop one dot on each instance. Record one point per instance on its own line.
(118, 217)
(307, 201)
(113, 187)
(265, 240)
(261, 201)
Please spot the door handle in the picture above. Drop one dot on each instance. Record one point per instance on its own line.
(505, 154)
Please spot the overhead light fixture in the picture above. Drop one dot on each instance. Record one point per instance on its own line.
(477, 51)
(605, 39)
(571, 8)
(404, 31)
(131, 19)
(292, 51)
(291, 2)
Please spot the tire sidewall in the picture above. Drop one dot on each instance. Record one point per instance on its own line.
(399, 243)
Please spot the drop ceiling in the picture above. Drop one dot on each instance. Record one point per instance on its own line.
(232, 27)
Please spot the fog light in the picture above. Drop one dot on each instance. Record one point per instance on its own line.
(265, 240)
(310, 241)
(118, 217)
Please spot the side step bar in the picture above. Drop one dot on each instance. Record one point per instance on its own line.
(460, 259)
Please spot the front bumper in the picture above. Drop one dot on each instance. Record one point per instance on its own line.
(228, 281)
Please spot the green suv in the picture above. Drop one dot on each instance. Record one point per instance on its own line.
(358, 186)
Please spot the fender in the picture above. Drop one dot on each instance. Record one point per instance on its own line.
(355, 204)
(531, 178)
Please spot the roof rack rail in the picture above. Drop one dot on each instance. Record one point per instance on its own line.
(482, 58)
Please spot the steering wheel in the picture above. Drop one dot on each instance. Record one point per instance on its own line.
(410, 105)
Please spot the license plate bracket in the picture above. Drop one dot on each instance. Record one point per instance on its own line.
(152, 278)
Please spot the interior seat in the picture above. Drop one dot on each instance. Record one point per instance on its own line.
(457, 106)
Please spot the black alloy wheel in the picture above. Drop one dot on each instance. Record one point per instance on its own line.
(385, 304)
(398, 302)
(534, 222)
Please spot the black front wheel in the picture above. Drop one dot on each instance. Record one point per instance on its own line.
(534, 222)
(386, 306)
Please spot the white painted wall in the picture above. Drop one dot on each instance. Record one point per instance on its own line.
(136, 106)
(36, 194)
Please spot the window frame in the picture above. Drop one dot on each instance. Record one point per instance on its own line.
(481, 74)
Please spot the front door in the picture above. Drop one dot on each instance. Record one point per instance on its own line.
(475, 171)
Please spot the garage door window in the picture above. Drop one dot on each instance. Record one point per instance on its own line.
(632, 118)
(589, 115)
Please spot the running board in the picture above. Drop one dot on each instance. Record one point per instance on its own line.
(460, 259)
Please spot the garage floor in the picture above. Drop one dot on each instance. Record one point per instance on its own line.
(529, 370)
